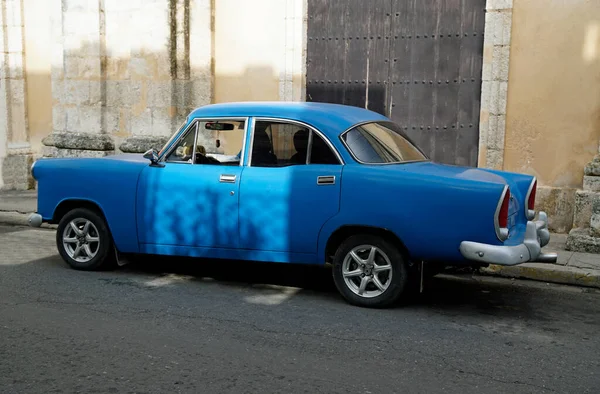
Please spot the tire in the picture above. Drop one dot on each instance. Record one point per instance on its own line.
(374, 295)
(97, 242)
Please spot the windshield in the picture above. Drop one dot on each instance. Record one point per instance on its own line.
(172, 138)
(381, 142)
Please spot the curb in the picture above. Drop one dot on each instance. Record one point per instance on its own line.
(553, 273)
(19, 219)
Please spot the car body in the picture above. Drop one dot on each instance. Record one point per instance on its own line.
(326, 177)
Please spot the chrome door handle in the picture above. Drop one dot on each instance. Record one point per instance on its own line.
(225, 178)
(326, 180)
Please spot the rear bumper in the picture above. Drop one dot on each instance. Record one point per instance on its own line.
(536, 237)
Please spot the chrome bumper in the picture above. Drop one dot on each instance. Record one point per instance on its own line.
(536, 237)
(35, 220)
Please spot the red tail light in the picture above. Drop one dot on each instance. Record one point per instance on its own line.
(531, 200)
(530, 207)
(503, 214)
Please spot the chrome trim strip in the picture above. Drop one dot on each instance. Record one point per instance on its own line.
(296, 122)
(529, 213)
(309, 147)
(195, 144)
(251, 142)
(326, 180)
(227, 178)
(499, 233)
(378, 164)
(205, 119)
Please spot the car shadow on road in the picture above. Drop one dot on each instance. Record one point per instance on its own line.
(453, 294)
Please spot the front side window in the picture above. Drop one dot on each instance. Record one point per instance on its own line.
(281, 144)
(381, 142)
(211, 142)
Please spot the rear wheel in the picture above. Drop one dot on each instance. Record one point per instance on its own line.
(369, 271)
(84, 241)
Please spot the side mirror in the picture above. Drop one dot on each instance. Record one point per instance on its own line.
(152, 155)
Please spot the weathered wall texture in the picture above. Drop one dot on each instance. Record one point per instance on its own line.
(126, 73)
(553, 110)
(261, 60)
(15, 150)
(38, 43)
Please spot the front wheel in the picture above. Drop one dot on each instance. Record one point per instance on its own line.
(369, 271)
(84, 241)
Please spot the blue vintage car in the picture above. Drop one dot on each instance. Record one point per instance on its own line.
(306, 183)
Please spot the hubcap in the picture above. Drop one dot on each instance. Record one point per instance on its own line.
(367, 271)
(81, 240)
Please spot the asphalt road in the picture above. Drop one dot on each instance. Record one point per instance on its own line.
(172, 326)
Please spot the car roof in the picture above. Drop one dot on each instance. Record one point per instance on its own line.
(331, 119)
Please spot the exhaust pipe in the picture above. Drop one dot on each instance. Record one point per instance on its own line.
(547, 258)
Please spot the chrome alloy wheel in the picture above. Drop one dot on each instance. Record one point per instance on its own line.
(81, 240)
(367, 271)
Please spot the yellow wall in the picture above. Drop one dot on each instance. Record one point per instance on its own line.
(250, 49)
(38, 42)
(553, 108)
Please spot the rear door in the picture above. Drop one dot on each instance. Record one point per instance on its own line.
(289, 189)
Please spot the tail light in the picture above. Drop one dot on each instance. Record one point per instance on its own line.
(530, 200)
(501, 220)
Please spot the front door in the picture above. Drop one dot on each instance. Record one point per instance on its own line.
(290, 188)
(192, 201)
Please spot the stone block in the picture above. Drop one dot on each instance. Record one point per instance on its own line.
(80, 5)
(75, 92)
(81, 22)
(17, 91)
(123, 93)
(14, 39)
(142, 124)
(139, 68)
(584, 201)
(84, 141)
(160, 94)
(16, 172)
(58, 152)
(494, 159)
(591, 183)
(595, 225)
(593, 167)
(580, 240)
(558, 203)
(90, 119)
(498, 4)
(141, 143)
(59, 118)
(162, 123)
(500, 63)
(15, 65)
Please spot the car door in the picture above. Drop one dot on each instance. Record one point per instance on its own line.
(191, 199)
(290, 188)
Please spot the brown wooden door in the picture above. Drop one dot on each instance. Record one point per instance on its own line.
(418, 62)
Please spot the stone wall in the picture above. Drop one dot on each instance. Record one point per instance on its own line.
(126, 73)
(15, 151)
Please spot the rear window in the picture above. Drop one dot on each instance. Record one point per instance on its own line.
(381, 142)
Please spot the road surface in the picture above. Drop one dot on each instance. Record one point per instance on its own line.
(173, 326)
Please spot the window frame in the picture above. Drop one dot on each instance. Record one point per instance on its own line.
(196, 123)
(297, 123)
(384, 122)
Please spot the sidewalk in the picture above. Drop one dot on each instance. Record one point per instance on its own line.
(572, 268)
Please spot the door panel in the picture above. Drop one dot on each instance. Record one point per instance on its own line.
(283, 208)
(417, 62)
(189, 205)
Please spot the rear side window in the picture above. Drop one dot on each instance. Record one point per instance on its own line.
(381, 142)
